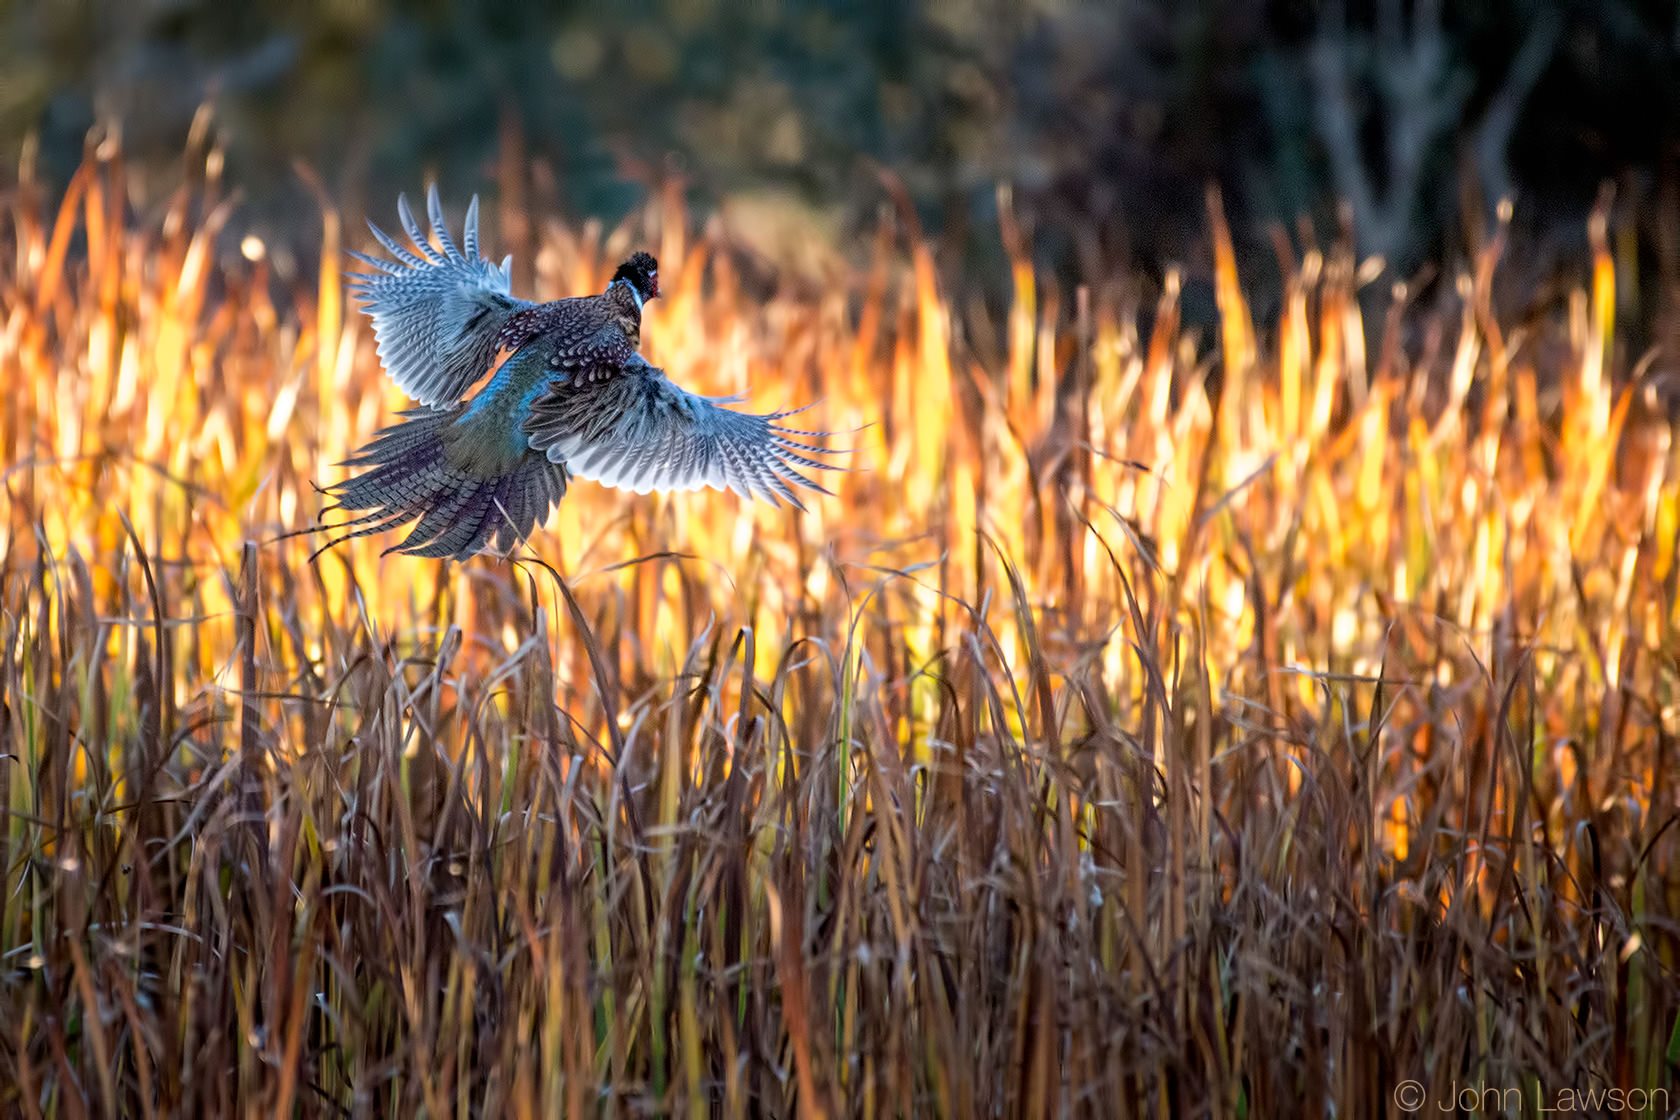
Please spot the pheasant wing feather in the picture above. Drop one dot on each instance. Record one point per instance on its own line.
(436, 311)
(640, 432)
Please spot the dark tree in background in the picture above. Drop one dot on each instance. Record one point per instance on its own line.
(1106, 117)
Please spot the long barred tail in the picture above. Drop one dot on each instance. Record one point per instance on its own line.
(410, 479)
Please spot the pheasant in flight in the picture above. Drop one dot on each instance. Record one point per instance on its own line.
(573, 399)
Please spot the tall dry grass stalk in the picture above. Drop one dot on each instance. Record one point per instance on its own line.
(1154, 725)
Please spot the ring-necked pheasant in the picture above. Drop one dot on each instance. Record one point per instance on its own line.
(573, 399)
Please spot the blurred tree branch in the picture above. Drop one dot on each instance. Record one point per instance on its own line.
(1493, 135)
(1417, 91)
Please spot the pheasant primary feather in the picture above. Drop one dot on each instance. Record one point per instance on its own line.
(574, 398)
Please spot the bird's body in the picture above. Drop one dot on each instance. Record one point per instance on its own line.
(574, 398)
(584, 332)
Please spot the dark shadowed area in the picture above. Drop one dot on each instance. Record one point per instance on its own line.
(1109, 118)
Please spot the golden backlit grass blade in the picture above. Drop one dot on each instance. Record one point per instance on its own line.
(1294, 351)
(329, 311)
(1334, 371)
(1236, 326)
(1023, 312)
(49, 273)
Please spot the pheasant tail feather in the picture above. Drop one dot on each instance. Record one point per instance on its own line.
(409, 478)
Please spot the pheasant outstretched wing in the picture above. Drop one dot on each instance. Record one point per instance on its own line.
(436, 312)
(638, 431)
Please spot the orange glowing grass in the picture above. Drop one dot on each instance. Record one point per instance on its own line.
(1165, 597)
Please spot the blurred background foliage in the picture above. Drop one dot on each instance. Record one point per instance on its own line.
(1108, 119)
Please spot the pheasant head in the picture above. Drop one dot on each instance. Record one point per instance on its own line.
(640, 274)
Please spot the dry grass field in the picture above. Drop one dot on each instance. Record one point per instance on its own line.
(1267, 722)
